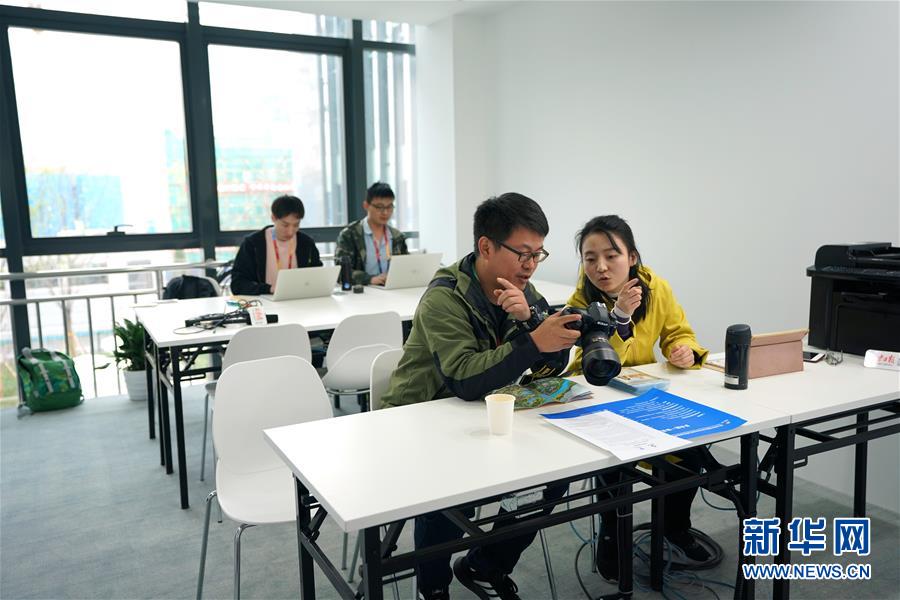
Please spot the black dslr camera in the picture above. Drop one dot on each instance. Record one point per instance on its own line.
(600, 361)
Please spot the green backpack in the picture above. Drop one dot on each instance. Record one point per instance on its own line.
(49, 380)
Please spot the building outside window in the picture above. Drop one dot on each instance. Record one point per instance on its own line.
(390, 136)
(101, 120)
(279, 129)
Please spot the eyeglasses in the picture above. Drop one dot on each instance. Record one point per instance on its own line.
(538, 256)
(382, 207)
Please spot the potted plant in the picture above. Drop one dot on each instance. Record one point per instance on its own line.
(130, 351)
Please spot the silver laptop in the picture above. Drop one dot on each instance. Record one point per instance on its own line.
(412, 270)
(309, 282)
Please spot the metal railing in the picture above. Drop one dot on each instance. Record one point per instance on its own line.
(157, 271)
(66, 301)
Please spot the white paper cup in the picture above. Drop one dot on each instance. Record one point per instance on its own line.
(500, 413)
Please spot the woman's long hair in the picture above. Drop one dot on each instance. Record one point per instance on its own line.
(608, 225)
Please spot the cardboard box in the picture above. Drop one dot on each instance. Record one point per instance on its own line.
(776, 353)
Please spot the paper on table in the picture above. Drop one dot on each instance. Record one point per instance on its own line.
(623, 437)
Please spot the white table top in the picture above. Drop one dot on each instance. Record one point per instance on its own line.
(315, 314)
(822, 389)
(373, 468)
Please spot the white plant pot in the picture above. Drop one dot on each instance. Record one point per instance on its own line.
(136, 384)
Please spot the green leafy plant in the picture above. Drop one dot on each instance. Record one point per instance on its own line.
(131, 346)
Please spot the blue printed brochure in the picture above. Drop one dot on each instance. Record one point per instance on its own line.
(664, 412)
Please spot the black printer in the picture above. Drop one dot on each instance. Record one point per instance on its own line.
(854, 302)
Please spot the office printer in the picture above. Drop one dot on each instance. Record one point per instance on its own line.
(854, 302)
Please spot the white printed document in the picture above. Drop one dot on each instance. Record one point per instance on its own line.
(625, 438)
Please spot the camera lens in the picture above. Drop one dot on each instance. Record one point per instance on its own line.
(600, 361)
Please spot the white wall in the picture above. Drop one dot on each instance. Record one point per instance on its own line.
(735, 137)
(435, 160)
(475, 138)
(455, 139)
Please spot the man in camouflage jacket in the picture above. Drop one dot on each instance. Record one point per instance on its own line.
(374, 229)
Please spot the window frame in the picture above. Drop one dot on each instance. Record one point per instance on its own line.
(220, 36)
(193, 40)
(154, 30)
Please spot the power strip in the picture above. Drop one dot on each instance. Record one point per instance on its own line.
(237, 317)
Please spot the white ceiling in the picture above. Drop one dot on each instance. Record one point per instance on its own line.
(417, 12)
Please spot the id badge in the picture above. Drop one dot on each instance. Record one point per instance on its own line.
(257, 315)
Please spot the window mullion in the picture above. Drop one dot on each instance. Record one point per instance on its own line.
(12, 190)
(357, 177)
(199, 135)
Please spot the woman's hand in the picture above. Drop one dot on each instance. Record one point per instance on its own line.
(682, 357)
(629, 297)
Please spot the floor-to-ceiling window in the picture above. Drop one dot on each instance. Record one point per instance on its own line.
(159, 132)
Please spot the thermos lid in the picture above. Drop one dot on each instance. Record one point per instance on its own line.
(737, 334)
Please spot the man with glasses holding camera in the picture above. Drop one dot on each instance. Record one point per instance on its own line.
(370, 242)
(479, 326)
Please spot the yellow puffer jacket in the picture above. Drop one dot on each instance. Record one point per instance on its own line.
(664, 321)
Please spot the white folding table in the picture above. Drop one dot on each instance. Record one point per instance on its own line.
(167, 343)
(383, 467)
(819, 399)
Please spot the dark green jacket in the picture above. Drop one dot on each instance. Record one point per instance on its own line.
(351, 242)
(460, 346)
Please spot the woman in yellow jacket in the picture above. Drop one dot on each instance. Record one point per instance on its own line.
(646, 312)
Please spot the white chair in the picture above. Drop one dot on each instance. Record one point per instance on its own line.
(383, 367)
(253, 485)
(253, 343)
(356, 342)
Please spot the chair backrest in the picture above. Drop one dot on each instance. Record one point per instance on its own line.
(253, 343)
(259, 394)
(364, 330)
(351, 371)
(383, 367)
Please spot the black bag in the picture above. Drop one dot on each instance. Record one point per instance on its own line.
(184, 287)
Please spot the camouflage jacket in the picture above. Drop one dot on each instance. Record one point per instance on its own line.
(351, 242)
(462, 345)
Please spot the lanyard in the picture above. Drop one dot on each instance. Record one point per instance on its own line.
(387, 249)
(278, 256)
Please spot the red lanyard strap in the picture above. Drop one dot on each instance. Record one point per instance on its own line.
(387, 248)
(278, 256)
